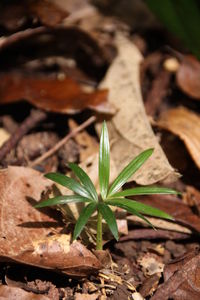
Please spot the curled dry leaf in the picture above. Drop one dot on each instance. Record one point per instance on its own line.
(64, 96)
(15, 293)
(182, 279)
(186, 124)
(26, 233)
(43, 42)
(130, 129)
(188, 76)
(52, 92)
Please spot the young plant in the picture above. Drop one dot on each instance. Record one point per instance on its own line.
(84, 191)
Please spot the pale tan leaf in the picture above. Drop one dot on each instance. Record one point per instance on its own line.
(4, 136)
(129, 130)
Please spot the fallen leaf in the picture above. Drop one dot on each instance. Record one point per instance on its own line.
(183, 279)
(43, 42)
(149, 286)
(151, 264)
(130, 129)
(188, 76)
(64, 96)
(15, 293)
(26, 233)
(4, 136)
(183, 215)
(186, 124)
(151, 234)
(192, 197)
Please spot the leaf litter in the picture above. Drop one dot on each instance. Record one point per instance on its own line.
(82, 66)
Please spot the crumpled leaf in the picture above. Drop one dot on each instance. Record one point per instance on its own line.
(184, 123)
(15, 293)
(181, 279)
(64, 96)
(129, 129)
(188, 76)
(26, 233)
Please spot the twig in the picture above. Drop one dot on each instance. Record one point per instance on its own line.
(30, 122)
(62, 142)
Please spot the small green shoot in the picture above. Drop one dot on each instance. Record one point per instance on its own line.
(84, 191)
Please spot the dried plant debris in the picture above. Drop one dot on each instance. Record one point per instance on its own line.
(26, 233)
(186, 125)
(130, 128)
(181, 279)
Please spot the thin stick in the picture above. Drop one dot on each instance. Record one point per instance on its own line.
(62, 142)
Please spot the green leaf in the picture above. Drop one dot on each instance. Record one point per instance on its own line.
(83, 218)
(62, 200)
(132, 211)
(68, 182)
(104, 161)
(128, 171)
(85, 180)
(139, 207)
(110, 219)
(145, 190)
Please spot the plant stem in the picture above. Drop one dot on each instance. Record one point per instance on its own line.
(99, 232)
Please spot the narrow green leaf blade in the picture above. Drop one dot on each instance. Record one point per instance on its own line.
(62, 200)
(139, 207)
(145, 190)
(83, 218)
(85, 180)
(132, 211)
(129, 170)
(68, 182)
(110, 219)
(104, 161)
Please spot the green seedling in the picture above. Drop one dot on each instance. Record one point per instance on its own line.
(110, 195)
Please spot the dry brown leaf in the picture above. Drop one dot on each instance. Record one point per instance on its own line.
(186, 124)
(182, 279)
(129, 130)
(64, 96)
(26, 233)
(188, 76)
(15, 293)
